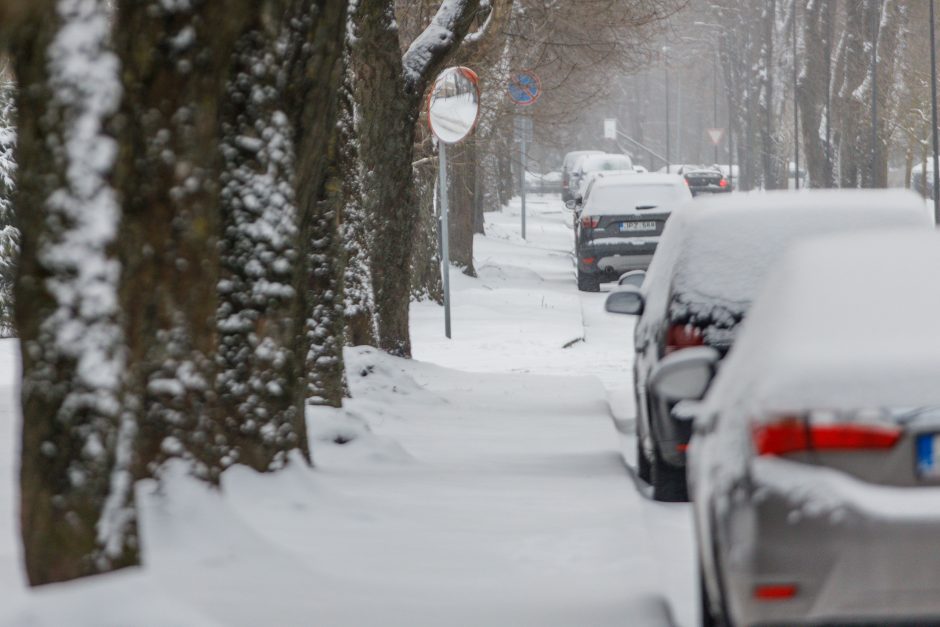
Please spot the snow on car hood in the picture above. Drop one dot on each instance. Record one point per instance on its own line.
(844, 322)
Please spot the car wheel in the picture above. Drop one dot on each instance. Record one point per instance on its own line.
(669, 483)
(588, 282)
(642, 461)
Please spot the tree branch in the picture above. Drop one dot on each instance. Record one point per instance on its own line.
(477, 44)
(433, 47)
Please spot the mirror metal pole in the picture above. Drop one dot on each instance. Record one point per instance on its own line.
(445, 234)
(522, 175)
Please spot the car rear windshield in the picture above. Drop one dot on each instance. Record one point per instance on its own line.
(598, 164)
(623, 199)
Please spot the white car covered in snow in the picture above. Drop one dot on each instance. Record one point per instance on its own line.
(815, 466)
(711, 261)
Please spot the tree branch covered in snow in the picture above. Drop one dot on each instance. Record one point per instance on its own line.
(429, 51)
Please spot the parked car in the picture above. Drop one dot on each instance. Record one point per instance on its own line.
(570, 161)
(701, 178)
(712, 258)
(815, 464)
(547, 183)
(589, 164)
(620, 222)
(919, 183)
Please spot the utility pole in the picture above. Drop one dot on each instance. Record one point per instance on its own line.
(829, 18)
(666, 67)
(875, 19)
(715, 95)
(933, 113)
(796, 110)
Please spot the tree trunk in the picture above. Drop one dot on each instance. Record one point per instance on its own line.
(462, 163)
(426, 281)
(390, 93)
(178, 59)
(9, 234)
(313, 100)
(76, 501)
(815, 63)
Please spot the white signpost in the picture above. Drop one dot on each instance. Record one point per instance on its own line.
(453, 109)
(610, 128)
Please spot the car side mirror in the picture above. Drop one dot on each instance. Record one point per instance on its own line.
(570, 205)
(633, 277)
(626, 300)
(686, 374)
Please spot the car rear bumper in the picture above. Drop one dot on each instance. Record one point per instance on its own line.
(616, 258)
(855, 552)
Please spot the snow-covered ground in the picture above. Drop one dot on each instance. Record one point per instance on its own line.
(487, 490)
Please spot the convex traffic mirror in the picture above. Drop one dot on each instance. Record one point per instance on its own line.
(454, 104)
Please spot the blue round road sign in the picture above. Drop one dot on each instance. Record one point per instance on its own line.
(524, 88)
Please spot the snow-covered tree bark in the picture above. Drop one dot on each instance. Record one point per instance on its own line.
(9, 234)
(258, 377)
(178, 59)
(76, 496)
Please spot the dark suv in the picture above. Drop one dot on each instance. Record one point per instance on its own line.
(619, 225)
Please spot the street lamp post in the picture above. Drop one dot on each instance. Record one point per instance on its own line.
(796, 111)
(874, 95)
(933, 115)
(666, 68)
(715, 95)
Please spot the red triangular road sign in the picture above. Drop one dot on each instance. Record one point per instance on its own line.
(715, 134)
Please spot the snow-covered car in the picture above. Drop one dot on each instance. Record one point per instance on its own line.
(620, 222)
(701, 178)
(547, 183)
(815, 465)
(568, 166)
(596, 163)
(711, 261)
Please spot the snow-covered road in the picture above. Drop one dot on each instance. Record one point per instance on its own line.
(488, 490)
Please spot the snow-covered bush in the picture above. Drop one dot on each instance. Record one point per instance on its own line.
(9, 236)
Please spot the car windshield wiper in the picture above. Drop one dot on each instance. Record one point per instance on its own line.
(644, 207)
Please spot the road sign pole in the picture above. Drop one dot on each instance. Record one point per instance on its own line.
(522, 178)
(445, 234)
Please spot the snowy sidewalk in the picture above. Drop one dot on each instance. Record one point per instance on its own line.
(487, 491)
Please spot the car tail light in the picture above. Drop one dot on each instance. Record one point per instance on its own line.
(588, 222)
(682, 336)
(588, 260)
(793, 434)
(723, 183)
(775, 592)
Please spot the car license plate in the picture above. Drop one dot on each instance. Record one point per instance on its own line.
(637, 226)
(928, 455)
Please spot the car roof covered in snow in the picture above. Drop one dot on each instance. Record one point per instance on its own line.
(617, 193)
(716, 251)
(844, 322)
(604, 161)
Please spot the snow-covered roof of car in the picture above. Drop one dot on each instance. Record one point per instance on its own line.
(618, 193)
(572, 157)
(716, 251)
(590, 163)
(844, 322)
